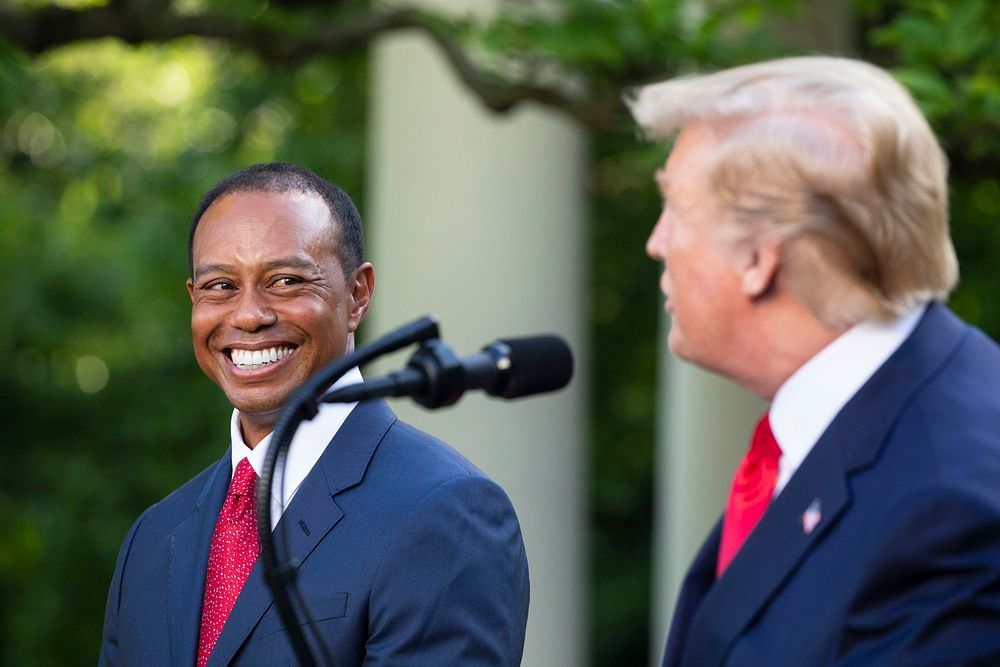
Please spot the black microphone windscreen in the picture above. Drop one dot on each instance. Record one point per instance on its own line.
(538, 364)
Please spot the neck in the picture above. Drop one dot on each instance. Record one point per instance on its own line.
(785, 337)
(255, 428)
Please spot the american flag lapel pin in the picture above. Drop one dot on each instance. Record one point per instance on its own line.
(811, 517)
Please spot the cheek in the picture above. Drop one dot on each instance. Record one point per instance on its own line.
(320, 314)
(203, 321)
(199, 324)
(325, 323)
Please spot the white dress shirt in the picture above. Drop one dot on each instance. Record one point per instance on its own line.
(806, 404)
(307, 445)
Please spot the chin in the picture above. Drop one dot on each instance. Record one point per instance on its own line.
(257, 405)
(681, 348)
(677, 343)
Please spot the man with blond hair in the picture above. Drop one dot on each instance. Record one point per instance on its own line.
(806, 255)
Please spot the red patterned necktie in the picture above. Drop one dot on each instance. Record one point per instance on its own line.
(230, 558)
(750, 493)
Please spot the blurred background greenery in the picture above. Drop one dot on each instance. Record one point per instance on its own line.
(116, 116)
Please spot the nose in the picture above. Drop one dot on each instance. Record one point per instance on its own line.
(252, 312)
(656, 244)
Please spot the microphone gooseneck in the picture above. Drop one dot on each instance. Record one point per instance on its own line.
(434, 377)
(279, 572)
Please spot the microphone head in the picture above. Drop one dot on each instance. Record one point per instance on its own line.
(538, 364)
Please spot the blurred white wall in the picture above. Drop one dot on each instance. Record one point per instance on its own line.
(480, 219)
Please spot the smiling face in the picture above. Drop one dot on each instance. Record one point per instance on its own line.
(700, 279)
(270, 302)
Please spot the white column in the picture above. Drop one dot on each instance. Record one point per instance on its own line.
(703, 428)
(480, 219)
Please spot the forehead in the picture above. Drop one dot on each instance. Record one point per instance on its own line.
(691, 149)
(264, 221)
(684, 180)
(686, 183)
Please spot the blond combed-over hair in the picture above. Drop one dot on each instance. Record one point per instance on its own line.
(833, 156)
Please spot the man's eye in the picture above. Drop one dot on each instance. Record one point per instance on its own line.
(286, 281)
(219, 285)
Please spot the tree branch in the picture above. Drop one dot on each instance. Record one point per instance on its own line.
(139, 21)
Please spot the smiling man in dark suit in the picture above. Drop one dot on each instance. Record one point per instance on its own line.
(806, 251)
(407, 554)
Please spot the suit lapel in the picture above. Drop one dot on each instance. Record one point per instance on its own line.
(699, 579)
(310, 516)
(818, 493)
(771, 553)
(189, 561)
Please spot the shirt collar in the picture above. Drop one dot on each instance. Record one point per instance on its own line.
(807, 402)
(308, 444)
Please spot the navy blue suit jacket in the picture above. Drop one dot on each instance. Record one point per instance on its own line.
(903, 567)
(408, 555)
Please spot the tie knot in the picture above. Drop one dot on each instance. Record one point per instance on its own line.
(244, 479)
(763, 444)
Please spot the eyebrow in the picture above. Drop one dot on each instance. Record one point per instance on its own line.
(281, 263)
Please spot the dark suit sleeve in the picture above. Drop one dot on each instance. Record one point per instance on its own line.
(109, 642)
(453, 587)
(933, 595)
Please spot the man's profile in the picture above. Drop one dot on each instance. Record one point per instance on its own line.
(806, 256)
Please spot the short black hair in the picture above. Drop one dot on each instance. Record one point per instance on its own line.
(287, 177)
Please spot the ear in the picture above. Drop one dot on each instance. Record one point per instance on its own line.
(759, 266)
(362, 284)
(190, 286)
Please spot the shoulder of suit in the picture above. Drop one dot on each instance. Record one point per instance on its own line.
(948, 434)
(425, 452)
(185, 495)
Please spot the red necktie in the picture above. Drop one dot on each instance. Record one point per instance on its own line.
(750, 493)
(230, 558)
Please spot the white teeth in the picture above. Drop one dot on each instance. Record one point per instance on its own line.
(251, 359)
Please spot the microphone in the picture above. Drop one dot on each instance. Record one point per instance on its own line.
(436, 377)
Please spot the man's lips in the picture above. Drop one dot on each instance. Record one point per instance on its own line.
(246, 358)
(665, 290)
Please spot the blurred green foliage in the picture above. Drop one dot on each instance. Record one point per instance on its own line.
(948, 54)
(106, 148)
(105, 152)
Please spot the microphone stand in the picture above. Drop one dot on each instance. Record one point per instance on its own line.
(303, 405)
